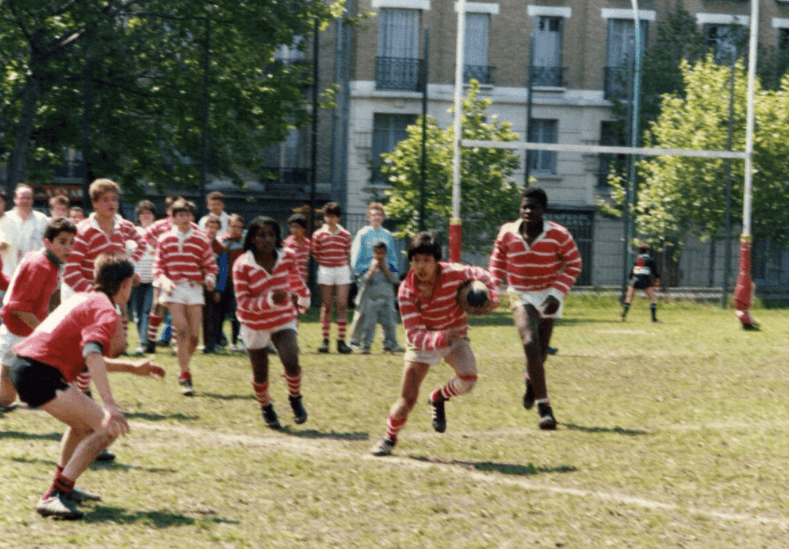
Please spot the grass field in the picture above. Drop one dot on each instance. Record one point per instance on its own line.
(670, 435)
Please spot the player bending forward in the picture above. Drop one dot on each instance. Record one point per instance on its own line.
(81, 332)
(435, 326)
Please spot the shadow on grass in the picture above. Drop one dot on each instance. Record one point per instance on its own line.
(615, 430)
(312, 433)
(98, 465)
(246, 396)
(503, 468)
(158, 519)
(161, 417)
(30, 436)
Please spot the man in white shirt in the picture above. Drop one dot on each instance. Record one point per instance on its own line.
(22, 227)
(216, 205)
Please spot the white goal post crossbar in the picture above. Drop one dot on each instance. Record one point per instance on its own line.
(601, 149)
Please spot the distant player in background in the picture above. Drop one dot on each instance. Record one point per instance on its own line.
(58, 206)
(331, 248)
(539, 261)
(643, 276)
(76, 214)
(435, 326)
(299, 242)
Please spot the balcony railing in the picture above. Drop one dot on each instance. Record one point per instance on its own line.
(546, 77)
(288, 179)
(482, 73)
(398, 73)
(617, 83)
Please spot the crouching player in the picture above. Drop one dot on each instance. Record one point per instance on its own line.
(81, 332)
(435, 326)
(270, 294)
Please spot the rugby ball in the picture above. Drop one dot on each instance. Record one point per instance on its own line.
(472, 296)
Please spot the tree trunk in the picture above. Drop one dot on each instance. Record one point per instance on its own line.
(24, 130)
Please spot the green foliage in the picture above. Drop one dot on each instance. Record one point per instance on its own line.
(141, 64)
(680, 196)
(489, 194)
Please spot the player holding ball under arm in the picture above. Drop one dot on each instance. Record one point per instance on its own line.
(435, 326)
(539, 261)
(83, 331)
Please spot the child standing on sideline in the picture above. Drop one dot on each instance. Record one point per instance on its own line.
(376, 298)
(331, 247)
(212, 319)
(539, 261)
(184, 265)
(435, 327)
(233, 242)
(81, 332)
(299, 242)
(270, 297)
(26, 305)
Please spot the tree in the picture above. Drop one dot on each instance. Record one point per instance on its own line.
(489, 193)
(126, 76)
(680, 196)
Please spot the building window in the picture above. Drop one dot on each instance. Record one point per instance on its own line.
(290, 54)
(725, 41)
(476, 49)
(783, 52)
(388, 131)
(542, 131)
(397, 64)
(282, 163)
(546, 63)
(620, 56)
(611, 135)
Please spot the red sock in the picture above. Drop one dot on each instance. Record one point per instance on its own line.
(185, 375)
(393, 427)
(325, 325)
(294, 384)
(261, 393)
(60, 484)
(153, 326)
(342, 325)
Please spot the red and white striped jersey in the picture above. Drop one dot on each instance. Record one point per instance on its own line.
(331, 249)
(156, 229)
(552, 261)
(254, 287)
(92, 241)
(302, 251)
(427, 319)
(182, 261)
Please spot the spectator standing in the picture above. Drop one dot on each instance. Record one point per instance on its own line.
(141, 300)
(215, 201)
(23, 227)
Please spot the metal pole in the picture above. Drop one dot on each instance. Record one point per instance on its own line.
(455, 227)
(314, 140)
(423, 167)
(204, 145)
(86, 137)
(727, 236)
(530, 75)
(742, 292)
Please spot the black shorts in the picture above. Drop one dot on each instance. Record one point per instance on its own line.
(641, 282)
(35, 381)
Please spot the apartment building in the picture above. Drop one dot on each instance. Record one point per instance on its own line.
(572, 54)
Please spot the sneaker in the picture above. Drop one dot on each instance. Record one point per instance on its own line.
(105, 455)
(395, 349)
(270, 416)
(385, 447)
(79, 496)
(299, 413)
(324, 348)
(209, 350)
(343, 348)
(138, 351)
(59, 506)
(355, 346)
(4, 409)
(547, 421)
(439, 417)
(186, 386)
(528, 396)
(552, 350)
(150, 347)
